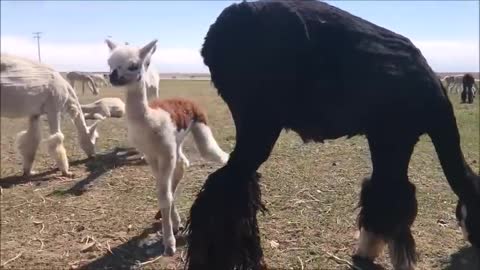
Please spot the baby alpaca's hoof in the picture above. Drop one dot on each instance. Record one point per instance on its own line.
(67, 174)
(169, 251)
(28, 173)
(178, 230)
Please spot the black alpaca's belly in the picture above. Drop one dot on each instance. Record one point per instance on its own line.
(321, 126)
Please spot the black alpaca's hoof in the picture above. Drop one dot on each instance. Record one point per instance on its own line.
(365, 263)
(356, 259)
(469, 221)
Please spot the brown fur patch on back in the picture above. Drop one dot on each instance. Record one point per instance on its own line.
(182, 111)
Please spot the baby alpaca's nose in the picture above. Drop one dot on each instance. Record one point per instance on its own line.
(113, 76)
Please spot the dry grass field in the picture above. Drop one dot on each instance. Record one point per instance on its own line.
(103, 217)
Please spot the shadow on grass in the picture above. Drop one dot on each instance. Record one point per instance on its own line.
(101, 164)
(467, 258)
(131, 254)
(11, 181)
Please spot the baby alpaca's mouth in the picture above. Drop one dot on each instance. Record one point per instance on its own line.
(115, 81)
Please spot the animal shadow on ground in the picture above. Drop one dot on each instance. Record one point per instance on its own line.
(467, 258)
(136, 252)
(11, 181)
(101, 164)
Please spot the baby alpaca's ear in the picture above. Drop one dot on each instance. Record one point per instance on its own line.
(110, 44)
(147, 49)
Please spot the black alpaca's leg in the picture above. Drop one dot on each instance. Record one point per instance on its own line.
(470, 94)
(464, 95)
(388, 203)
(222, 228)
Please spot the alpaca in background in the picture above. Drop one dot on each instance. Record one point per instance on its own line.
(99, 79)
(468, 84)
(83, 78)
(453, 83)
(104, 108)
(30, 89)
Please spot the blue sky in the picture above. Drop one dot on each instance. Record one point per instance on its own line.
(446, 32)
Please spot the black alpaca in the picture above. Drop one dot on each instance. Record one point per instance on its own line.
(467, 94)
(324, 73)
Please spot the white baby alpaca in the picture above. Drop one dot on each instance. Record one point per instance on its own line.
(153, 132)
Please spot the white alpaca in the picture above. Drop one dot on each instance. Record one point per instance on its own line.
(99, 80)
(158, 130)
(104, 108)
(83, 78)
(30, 89)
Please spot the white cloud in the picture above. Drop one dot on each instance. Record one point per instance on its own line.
(93, 56)
(442, 55)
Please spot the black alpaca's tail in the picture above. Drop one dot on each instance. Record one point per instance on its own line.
(222, 231)
(446, 139)
(464, 182)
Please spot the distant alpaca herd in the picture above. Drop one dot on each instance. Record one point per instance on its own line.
(280, 73)
(466, 83)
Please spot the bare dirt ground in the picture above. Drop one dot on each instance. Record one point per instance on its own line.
(103, 217)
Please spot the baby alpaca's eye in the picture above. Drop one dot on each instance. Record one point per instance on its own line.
(133, 67)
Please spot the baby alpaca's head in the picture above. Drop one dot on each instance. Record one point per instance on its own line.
(127, 63)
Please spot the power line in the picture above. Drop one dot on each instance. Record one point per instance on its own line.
(37, 37)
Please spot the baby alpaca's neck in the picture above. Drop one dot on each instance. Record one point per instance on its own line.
(136, 104)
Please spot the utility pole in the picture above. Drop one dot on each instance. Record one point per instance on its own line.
(37, 37)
